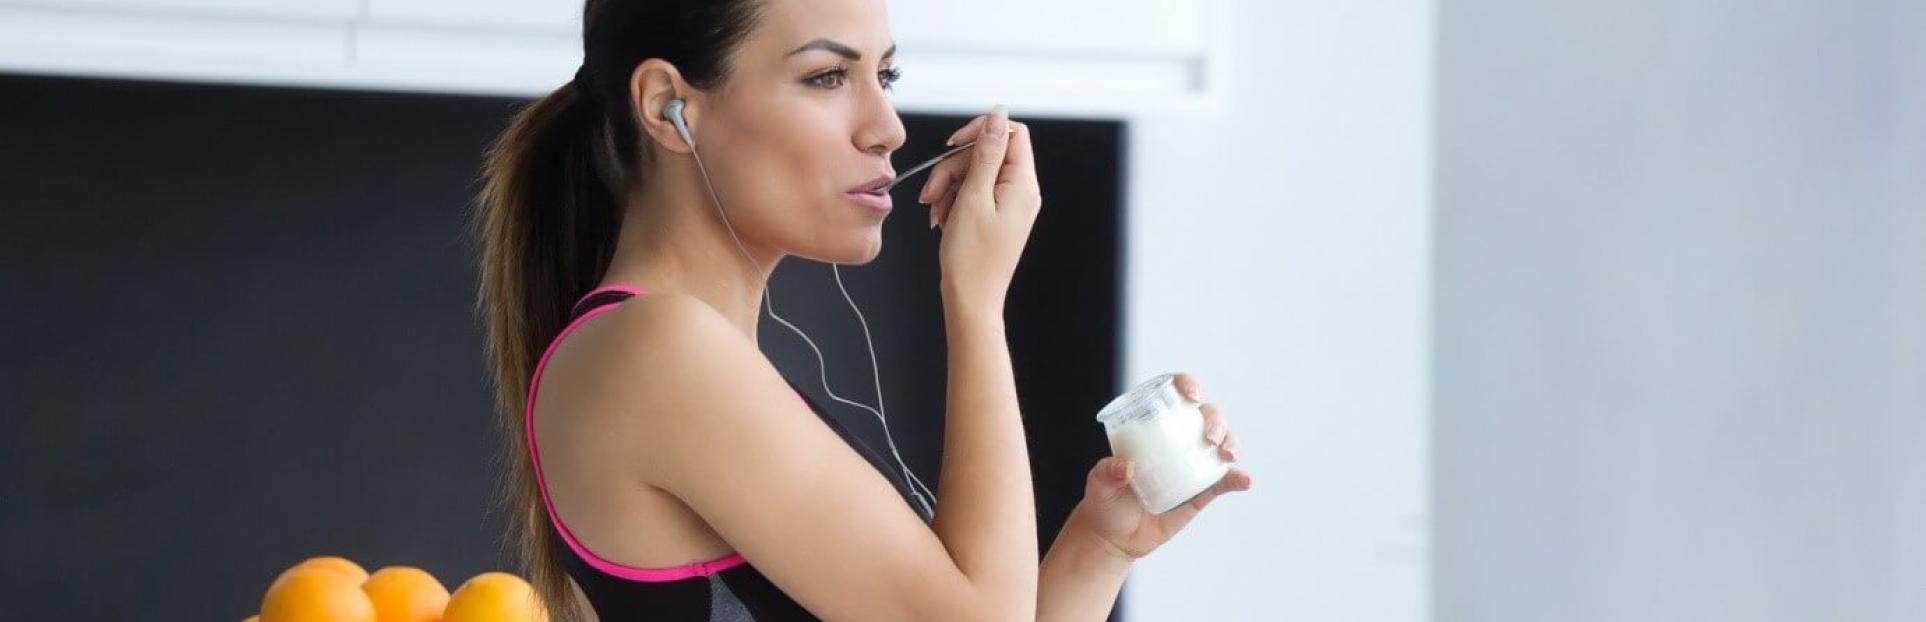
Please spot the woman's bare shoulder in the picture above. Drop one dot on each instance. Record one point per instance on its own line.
(728, 437)
(660, 328)
(660, 352)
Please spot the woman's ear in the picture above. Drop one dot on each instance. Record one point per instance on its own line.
(653, 83)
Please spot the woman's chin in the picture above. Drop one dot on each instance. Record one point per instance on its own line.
(868, 254)
(855, 252)
(872, 244)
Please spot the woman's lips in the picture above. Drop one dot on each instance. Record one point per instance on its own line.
(876, 201)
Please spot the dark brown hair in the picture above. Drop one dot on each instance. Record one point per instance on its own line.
(554, 189)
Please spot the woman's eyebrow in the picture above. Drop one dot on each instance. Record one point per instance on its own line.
(838, 48)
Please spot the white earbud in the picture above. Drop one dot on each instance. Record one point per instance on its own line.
(673, 112)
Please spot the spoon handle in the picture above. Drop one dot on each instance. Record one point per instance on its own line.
(927, 163)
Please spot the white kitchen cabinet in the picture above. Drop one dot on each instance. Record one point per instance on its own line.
(175, 40)
(550, 16)
(1042, 57)
(260, 9)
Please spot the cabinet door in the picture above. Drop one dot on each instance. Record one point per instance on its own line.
(340, 10)
(520, 47)
(1110, 58)
(237, 41)
(547, 16)
(1116, 28)
(1059, 57)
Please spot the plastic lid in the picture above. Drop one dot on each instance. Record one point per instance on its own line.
(1147, 399)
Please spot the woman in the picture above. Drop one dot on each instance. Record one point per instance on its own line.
(660, 468)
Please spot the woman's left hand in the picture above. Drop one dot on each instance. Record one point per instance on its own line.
(1111, 511)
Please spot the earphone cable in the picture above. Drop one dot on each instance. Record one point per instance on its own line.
(917, 488)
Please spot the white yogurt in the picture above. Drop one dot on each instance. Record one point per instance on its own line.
(1162, 434)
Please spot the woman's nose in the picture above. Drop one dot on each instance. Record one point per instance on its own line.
(883, 130)
(884, 138)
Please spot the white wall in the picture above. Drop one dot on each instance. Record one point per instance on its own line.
(1279, 251)
(1681, 311)
(1680, 368)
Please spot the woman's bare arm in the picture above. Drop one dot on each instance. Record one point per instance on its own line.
(987, 511)
(730, 438)
(1110, 528)
(1080, 576)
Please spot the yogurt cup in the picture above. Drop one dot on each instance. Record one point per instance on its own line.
(1162, 434)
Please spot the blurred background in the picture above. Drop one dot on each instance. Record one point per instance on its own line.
(1522, 310)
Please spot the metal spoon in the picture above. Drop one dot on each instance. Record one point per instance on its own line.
(926, 164)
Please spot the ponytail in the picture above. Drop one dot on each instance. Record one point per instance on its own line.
(547, 221)
(555, 188)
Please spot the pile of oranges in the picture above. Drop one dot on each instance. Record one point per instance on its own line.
(334, 589)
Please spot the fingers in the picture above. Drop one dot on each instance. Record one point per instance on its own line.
(942, 176)
(968, 129)
(1214, 427)
(1016, 160)
(1233, 481)
(996, 156)
(940, 188)
(1187, 386)
(940, 210)
(937, 186)
(1107, 480)
(986, 158)
(1217, 431)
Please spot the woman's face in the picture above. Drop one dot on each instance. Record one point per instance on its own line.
(803, 118)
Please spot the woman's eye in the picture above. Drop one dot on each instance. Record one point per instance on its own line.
(818, 79)
(834, 79)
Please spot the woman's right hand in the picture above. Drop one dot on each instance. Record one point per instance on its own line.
(986, 204)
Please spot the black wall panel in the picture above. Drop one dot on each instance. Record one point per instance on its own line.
(238, 331)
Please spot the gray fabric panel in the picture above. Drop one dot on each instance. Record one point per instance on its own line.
(723, 604)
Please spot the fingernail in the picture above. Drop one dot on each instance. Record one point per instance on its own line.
(999, 120)
(950, 143)
(1216, 433)
(1190, 391)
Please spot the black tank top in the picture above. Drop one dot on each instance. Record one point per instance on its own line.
(725, 589)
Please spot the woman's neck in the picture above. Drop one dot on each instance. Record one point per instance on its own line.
(673, 240)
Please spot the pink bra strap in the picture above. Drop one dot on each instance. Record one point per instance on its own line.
(651, 575)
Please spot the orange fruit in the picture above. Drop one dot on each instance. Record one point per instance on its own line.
(406, 594)
(337, 564)
(494, 597)
(316, 594)
(252, 619)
